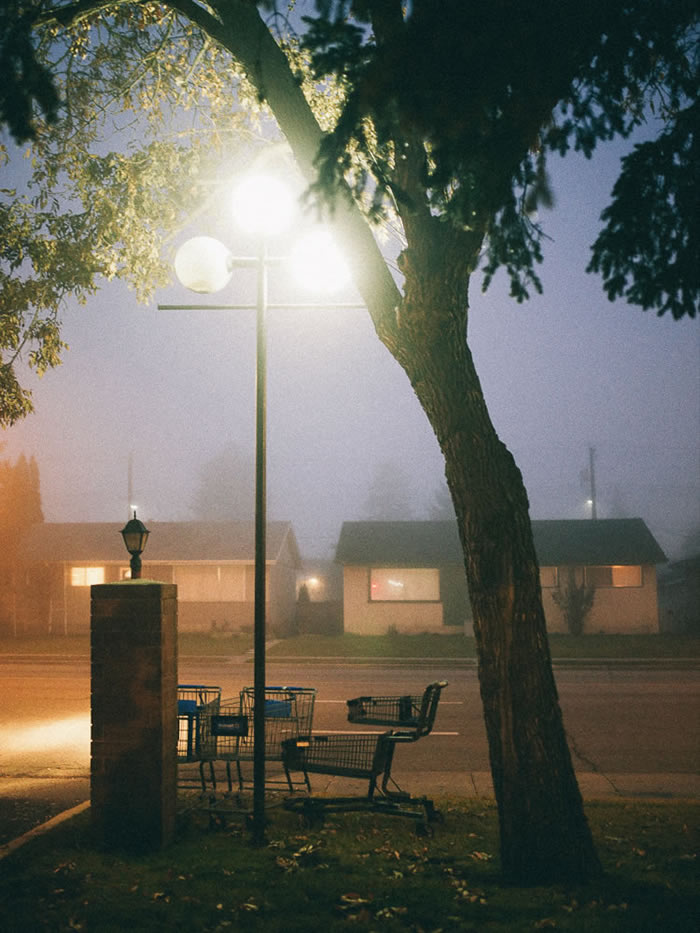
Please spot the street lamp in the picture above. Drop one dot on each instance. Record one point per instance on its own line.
(262, 206)
(135, 535)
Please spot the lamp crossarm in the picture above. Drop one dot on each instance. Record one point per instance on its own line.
(285, 306)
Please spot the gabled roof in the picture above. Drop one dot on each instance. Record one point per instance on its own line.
(596, 541)
(404, 543)
(168, 541)
(557, 542)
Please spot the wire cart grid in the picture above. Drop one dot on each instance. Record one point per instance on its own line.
(194, 702)
(364, 755)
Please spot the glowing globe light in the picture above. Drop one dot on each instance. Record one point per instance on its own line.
(263, 205)
(203, 264)
(317, 263)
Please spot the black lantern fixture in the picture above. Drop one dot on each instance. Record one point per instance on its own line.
(135, 535)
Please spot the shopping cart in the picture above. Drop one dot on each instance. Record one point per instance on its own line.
(228, 733)
(408, 712)
(194, 703)
(367, 756)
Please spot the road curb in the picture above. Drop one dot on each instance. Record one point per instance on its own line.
(9, 847)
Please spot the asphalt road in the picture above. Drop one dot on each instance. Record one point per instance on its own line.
(618, 720)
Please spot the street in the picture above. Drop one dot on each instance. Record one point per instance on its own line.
(618, 720)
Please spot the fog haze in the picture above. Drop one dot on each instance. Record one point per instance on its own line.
(562, 372)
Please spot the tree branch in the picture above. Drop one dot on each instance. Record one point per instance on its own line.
(244, 34)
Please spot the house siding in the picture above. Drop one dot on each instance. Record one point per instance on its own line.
(363, 617)
(49, 603)
(623, 610)
(560, 543)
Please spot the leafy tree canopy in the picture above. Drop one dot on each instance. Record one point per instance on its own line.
(491, 89)
(450, 109)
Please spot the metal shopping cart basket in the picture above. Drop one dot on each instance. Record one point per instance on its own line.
(194, 703)
(366, 756)
(229, 733)
(414, 712)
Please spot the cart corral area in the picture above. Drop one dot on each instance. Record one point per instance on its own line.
(219, 734)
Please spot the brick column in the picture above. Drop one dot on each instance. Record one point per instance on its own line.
(133, 763)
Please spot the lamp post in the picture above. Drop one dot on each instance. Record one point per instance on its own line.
(262, 206)
(135, 535)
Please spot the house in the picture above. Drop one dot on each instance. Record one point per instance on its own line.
(212, 564)
(410, 575)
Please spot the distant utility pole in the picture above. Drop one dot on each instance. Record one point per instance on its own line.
(130, 485)
(591, 476)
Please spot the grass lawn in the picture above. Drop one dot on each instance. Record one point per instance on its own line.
(356, 873)
(457, 646)
(368, 647)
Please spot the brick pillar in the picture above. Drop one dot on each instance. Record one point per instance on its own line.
(133, 763)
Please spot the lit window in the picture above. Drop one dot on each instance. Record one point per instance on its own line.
(404, 585)
(549, 577)
(86, 576)
(614, 575)
(208, 583)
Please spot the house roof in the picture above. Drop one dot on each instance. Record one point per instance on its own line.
(168, 541)
(557, 542)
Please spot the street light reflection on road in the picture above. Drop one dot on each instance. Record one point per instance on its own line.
(70, 735)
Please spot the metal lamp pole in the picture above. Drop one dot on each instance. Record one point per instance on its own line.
(260, 548)
(260, 262)
(206, 249)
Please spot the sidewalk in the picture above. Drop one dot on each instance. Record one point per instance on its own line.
(594, 786)
(32, 807)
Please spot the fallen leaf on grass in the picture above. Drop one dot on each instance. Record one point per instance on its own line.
(286, 864)
(354, 900)
(389, 912)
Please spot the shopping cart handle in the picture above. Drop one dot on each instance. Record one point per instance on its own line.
(400, 735)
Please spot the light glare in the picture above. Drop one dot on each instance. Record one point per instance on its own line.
(51, 735)
(263, 205)
(317, 263)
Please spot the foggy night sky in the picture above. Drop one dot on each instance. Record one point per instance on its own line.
(561, 372)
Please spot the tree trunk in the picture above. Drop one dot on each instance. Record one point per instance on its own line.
(543, 829)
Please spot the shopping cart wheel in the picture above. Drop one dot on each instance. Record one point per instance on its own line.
(433, 815)
(217, 820)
